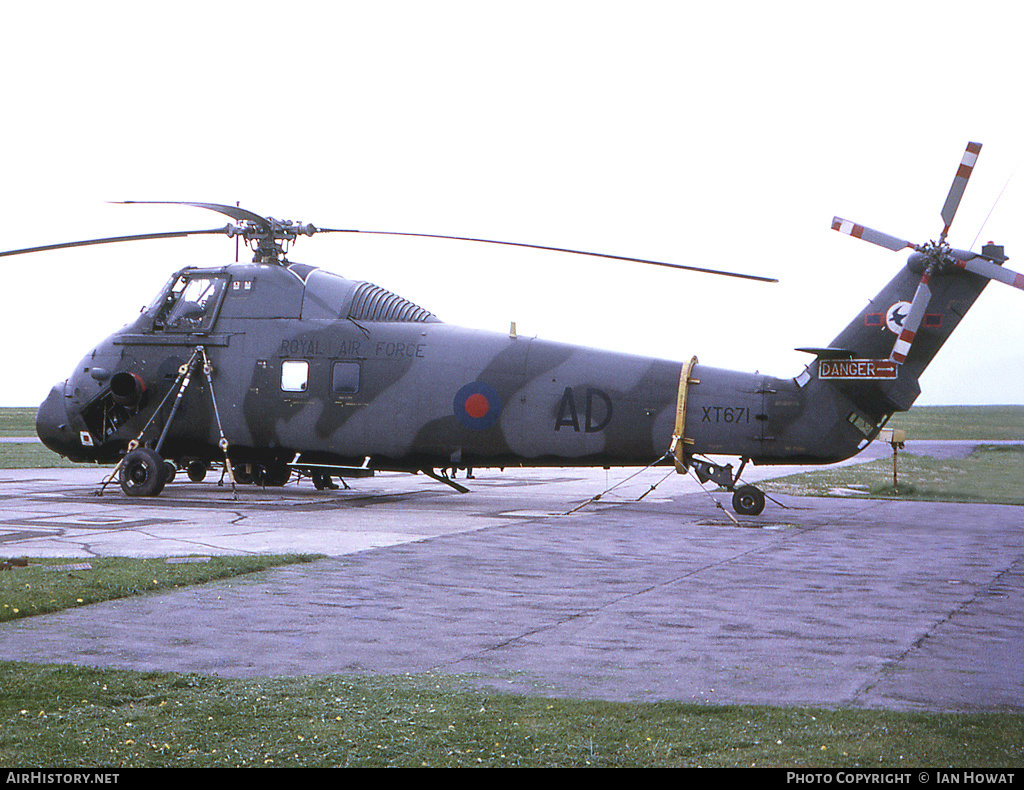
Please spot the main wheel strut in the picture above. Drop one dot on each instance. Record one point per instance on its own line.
(747, 500)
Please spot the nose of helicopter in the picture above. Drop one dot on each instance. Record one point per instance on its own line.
(52, 423)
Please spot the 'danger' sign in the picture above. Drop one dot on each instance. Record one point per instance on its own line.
(857, 369)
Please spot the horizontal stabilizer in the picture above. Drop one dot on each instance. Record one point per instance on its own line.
(829, 353)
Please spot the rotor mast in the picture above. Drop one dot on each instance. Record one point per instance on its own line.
(267, 237)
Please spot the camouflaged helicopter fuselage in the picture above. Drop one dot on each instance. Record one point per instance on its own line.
(307, 362)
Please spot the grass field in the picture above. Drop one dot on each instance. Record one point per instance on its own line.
(32, 456)
(18, 421)
(980, 423)
(22, 422)
(51, 715)
(992, 474)
(50, 585)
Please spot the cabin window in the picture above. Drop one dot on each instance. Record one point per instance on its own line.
(345, 378)
(294, 375)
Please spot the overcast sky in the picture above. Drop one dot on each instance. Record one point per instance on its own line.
(721, 134)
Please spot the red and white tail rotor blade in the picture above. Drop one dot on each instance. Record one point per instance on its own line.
(912, 322)
(992, 271)
(956, 191)
(867, 234)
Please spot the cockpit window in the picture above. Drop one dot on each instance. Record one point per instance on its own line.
(190, 304)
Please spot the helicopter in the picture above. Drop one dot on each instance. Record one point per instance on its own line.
(273, 369)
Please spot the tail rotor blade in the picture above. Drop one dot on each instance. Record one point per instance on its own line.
(992, 271)
(867, 234)
(956, 191)
(912, 322)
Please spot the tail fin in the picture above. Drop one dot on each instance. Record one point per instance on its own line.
(907, 323)
(873, 334)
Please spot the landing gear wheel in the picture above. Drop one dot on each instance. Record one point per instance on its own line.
(276, 474)
(322, 481)
(244, 474)
(748, 501)
(142, 473)
(170, 470)
(196, 471)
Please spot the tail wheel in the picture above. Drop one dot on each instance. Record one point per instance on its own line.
(142, 473)
(748, 501)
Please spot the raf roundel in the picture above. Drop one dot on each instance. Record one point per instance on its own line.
(477, 406)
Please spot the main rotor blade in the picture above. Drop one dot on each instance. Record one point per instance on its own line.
(236, 213)
(700, 269)
(956, 191)
(912, 322)
(867, 234)
(138, 237)
(992, 271)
